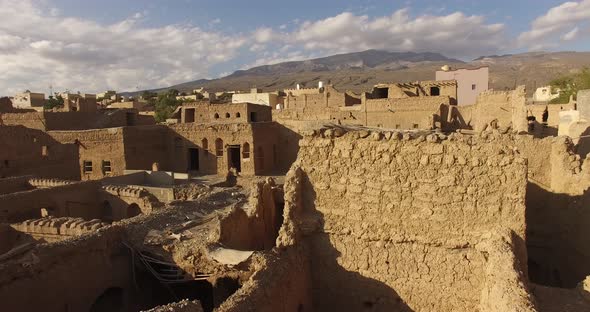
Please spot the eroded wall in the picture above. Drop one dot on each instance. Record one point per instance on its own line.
(67, 276)
(399, 220)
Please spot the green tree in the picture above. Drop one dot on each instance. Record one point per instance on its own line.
(569, 85)
(53, 102)
(165, 105)
(172, 92)
(147, 95)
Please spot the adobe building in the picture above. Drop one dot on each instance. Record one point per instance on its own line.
(28, 99)
(470, 82)
(418, 105)
(79, 102)
(470, 224)
(256, 96)
(214, 138)
(545, 94)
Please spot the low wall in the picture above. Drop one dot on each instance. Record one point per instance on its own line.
(50, 230)
(282, 285)
(73, 200)
(14, 184)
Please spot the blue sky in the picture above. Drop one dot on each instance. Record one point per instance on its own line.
(97, 45)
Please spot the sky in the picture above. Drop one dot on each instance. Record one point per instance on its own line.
(128, 45)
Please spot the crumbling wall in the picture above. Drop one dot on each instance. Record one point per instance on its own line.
(256, 225)
(69, 275)
(180, 306)
(282, 284)
(506, 108)
(397, 217)
(506, 286)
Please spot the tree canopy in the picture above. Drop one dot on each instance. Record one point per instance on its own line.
(569, 85)
(53, 102)
(165, 104)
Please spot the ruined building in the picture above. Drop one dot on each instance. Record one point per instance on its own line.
(321, 205)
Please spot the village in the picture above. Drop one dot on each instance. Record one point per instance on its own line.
(437, 195)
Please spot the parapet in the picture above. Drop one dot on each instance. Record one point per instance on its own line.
(126, 191)
(43, 183)
(58, 226)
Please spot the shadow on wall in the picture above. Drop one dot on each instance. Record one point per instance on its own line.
(25, 151)
(452, 119)
(334, 288)
(540, 130)
(583, 146)
(557, 232)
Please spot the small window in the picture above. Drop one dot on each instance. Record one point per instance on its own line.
(238, 115)
(415, 126)
(473, 87)
(106, 166)
(216, 116)
(87, 166)
(434, 91)
(246, 151)
(227, 115)
(44, 150)
(219, 147)
(397, 126)
(189, 115)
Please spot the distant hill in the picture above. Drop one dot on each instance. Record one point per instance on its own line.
(361, 70)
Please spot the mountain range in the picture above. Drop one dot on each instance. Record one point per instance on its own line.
(359, 71)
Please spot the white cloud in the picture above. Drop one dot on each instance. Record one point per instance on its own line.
(571, 35)
(558, 21)
(456, 34)
(40, 46)
(264, 35)
(38, 49)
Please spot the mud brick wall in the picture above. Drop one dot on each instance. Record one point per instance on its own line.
(400, 216)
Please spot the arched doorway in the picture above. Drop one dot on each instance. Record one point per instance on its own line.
(133, 210)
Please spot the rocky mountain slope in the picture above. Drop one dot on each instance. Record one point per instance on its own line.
(360, 71)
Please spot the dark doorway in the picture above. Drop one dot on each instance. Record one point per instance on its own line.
(233, 154)
(130, 119)
(193, 159)
(381, 93)
(253, 117)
